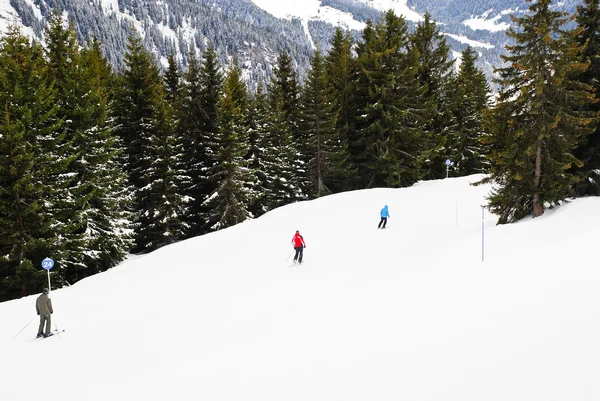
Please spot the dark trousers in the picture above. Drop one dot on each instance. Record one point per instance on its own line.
(384, 221)
(299, 252)
(44, 319)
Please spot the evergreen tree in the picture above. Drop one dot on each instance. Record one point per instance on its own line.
(327, 151)
(285, 89)
(539, 118)
(358, 99)
(162, 219)
(195, 154)
(151, 150)
(173, 86)
(588, 150)
(389, 141)
(339, 74)
(70, 207)
(229, 204)
(284, 94)
(201, 94)
(28, 128)
(435, 74)
(257, 149)
(467, 142)
(92, 209)
(104, 183)
(179, 177)
(211, 83)
(279, 162)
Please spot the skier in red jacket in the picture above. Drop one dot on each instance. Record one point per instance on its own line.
(299, 246)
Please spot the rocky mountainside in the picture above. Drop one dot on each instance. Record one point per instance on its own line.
(256, 31)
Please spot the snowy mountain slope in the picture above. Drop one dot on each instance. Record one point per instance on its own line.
(256, 31)
(406, 313)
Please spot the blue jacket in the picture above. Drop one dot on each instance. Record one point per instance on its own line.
(385, 212)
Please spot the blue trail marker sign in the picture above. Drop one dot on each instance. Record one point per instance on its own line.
(48, 264)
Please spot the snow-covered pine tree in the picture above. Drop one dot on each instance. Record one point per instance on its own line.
(284, 86)
(28, 125)
(588, 150)
(162, 218)
(140, 116)
(229, 203)
(173, 86)
(93, 207)
(284, 97)
(540, 116)
(435, 72)
(194, 159)
(258, 151)
(338, 70)
(467, 146)
(327, 152)
(279, 165)
(108, 232)
(202, 90)
(69, 207)
(389, 145)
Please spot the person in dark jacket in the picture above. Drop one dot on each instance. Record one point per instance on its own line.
(385, 213)
(43, 306)
(299, 245)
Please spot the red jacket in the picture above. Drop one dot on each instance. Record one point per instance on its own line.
(298, 241)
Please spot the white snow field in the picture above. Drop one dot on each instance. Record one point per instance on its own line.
(410, 313)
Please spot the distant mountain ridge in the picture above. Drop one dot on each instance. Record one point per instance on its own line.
(256, 31)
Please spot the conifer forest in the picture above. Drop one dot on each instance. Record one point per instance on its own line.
(98, 163)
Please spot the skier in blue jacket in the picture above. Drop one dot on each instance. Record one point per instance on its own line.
(385, 213)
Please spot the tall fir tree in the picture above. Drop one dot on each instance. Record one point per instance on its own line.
(360, 93)
(339, 72)
(284, 96)
(108, 232)
(279, 162)
(195, 146)
(230, 202)
(257, 149)
(588, 150)
(180, 178)
(28, 127)
(162, 221)
(389, 141)
(539, 118)
(93, 215)
(326, 156)
(173, 84)
(70, 208)
(435, 72)
(285, 88)
(202, 88)
(467, 146)
(146, 130)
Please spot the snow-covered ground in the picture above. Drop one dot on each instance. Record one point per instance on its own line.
(485, 23)
(400, 7)
(9, 17)
(470, 42)
(307, 10)
(409, 313)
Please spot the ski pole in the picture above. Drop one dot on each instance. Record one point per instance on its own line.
(57, 330)
(24, 328)
(288, 258)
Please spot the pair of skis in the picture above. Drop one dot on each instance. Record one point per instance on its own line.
(52, 333)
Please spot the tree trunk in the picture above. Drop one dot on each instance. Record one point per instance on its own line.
(538, 206)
